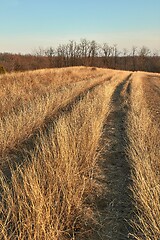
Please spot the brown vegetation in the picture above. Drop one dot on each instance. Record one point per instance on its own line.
(2, 70)
(144, 153)
(48, 155)
(84, 53)
(79, 150)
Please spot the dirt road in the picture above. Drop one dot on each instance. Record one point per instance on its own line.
(116, 206)
(96, 145)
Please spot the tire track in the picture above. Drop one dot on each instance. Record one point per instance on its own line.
(16, 156)
(115, 206)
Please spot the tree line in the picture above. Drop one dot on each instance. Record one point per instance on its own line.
(84, 53)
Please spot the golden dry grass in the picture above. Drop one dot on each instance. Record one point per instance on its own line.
(51, 125)
(47, 195)
(27, 86)
(144, 153)
(22, 118)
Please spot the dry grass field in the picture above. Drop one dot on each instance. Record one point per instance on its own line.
(79, 155)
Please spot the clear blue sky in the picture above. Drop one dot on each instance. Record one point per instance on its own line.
(29, 24)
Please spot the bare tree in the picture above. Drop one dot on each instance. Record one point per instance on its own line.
(50, 53)
(39, 52)
(125, 53)
(88, 53)
(144, 51)
(133, 54)
(144, 60)
(107, 50)
(115, 54)
(85, 45)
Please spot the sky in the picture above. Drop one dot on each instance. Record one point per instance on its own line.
(26, 25)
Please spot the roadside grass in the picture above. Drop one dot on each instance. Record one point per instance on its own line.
(49, 195)
(20, 122)
(144, 153)
(18, 88)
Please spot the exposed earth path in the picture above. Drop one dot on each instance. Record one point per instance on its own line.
(115, 206)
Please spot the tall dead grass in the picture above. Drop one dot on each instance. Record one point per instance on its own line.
(144, 152)
(18, 88)
(21, 121)
(48, 196)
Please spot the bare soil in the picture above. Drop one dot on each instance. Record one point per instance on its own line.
(115, 206)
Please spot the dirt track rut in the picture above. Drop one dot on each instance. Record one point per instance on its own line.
(115, 206)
